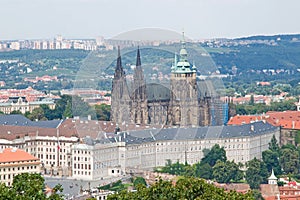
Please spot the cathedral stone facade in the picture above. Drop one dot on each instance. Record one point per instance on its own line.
(186, 101)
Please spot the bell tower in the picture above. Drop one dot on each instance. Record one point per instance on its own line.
(184, 97)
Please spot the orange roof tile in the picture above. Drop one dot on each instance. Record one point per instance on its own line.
(13, 155)
(244, 119)
(286, 119)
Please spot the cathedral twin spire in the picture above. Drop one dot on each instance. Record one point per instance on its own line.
(139, 87)
(119, 72)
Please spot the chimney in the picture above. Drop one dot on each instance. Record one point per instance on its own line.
(293, 124)
(252, 127)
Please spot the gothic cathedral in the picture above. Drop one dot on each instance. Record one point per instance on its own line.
(185, 102)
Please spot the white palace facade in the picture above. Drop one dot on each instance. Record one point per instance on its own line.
(90, 150)
(147, 149)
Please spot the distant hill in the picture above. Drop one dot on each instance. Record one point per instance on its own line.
(249, 58)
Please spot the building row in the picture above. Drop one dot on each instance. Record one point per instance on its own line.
(133, 151)
(93, 150)
(24, 100)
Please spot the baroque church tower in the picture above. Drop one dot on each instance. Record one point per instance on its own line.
(120, 98)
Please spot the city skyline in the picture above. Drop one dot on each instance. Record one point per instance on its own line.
(203, 19)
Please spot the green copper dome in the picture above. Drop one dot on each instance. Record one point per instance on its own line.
(183, 65)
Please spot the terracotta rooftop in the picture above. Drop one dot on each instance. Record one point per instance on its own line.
(68, 128)
(13, 155)
(286, 119)
(269, 191)
(244, 119)
(238, 187)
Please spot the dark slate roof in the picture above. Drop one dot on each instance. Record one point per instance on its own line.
(47, 124)
(20, 120)
(196, 133)
(157, 92)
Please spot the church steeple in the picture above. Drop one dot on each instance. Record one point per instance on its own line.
(139, 93)
(119, 72)
(138, 57)
(138, 76)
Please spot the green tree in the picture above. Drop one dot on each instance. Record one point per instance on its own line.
(256, 173)
(103, 112)
(61, 104)
(28, 186)
(81, 108)
(289, 161)
(297, 138)
(16, 112)
(226, 172)
(203, 171)
(173, 168)
(273, 145)
(37, 114)
(251, 102)
(271, 160)
(216, 153)
(49, 113)
(68, 111)
(6, 192)
(257, 195)
(139, 181)
(185, 188)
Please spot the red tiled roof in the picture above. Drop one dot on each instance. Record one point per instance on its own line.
(244, 119)
(68, 128)
(286, 119)
(13, 155)
(238, 187)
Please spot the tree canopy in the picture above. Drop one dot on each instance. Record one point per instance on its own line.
(216, 153)
(28, 186)
(185, 188)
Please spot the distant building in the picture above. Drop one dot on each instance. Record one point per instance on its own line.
(15, 45)
(22, 105)
(2, 83)
(14, 161)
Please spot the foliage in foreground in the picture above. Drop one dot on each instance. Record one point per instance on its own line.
(185, 188)
(28, 186)
(214, 166)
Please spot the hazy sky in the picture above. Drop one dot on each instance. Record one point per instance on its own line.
(28, 19)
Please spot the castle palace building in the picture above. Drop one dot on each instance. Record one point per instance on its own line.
(185, 101)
